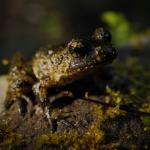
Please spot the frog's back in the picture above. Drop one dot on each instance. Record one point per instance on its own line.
(63, 65)
(50, 65)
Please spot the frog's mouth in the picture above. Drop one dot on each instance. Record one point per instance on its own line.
(102, 55)
(97, 58)
(109, 54)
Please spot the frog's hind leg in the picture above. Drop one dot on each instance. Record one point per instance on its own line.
(21, 106)
(23, 103)
(21, 79)
(27, 107)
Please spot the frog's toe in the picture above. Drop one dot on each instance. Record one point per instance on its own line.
(22, 106)
(52, 122)
(62, 94)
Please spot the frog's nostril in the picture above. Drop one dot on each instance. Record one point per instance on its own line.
(109, 53)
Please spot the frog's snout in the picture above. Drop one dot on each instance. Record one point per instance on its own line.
(105, 54)
(109, 54)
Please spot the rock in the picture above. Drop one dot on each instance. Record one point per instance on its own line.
(3, 90)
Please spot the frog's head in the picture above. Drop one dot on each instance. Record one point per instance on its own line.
(94, 51)
(103, 51)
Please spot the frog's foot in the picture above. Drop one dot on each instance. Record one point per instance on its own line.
(53, 122)
(48, 116)
(60, 95)
(24, 105)
(51, 99)
(43, 109)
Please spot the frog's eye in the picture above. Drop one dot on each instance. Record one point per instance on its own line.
(81, 51)
(76, 46)
(102, 35)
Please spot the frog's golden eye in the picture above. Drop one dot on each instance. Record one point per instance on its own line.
(81, 51)
(77, 46)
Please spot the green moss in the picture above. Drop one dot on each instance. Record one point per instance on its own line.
(110, 146)
(139, 84)
(72, 140)
(42, 140)
(117, 23)
(116, 96)
(10, 140)
(91, 139)
(146, 120)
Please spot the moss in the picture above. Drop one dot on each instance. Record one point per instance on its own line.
(118, 23)
(146, 120)
(114, 96)
(42, 140)
(9, 139)
(73, 140)
(138, 75)
(113, 112)
(98, 112)
(146, 106)
(91, 139)
(110, 146)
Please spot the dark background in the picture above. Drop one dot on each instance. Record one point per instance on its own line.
(27, 25)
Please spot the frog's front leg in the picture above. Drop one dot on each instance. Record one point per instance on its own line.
(46, 101)
(41, 96)
(48, 107)
(21, 79)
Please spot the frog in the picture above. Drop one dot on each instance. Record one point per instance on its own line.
(57, 66)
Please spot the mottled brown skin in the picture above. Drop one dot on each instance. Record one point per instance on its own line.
(60, 66)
